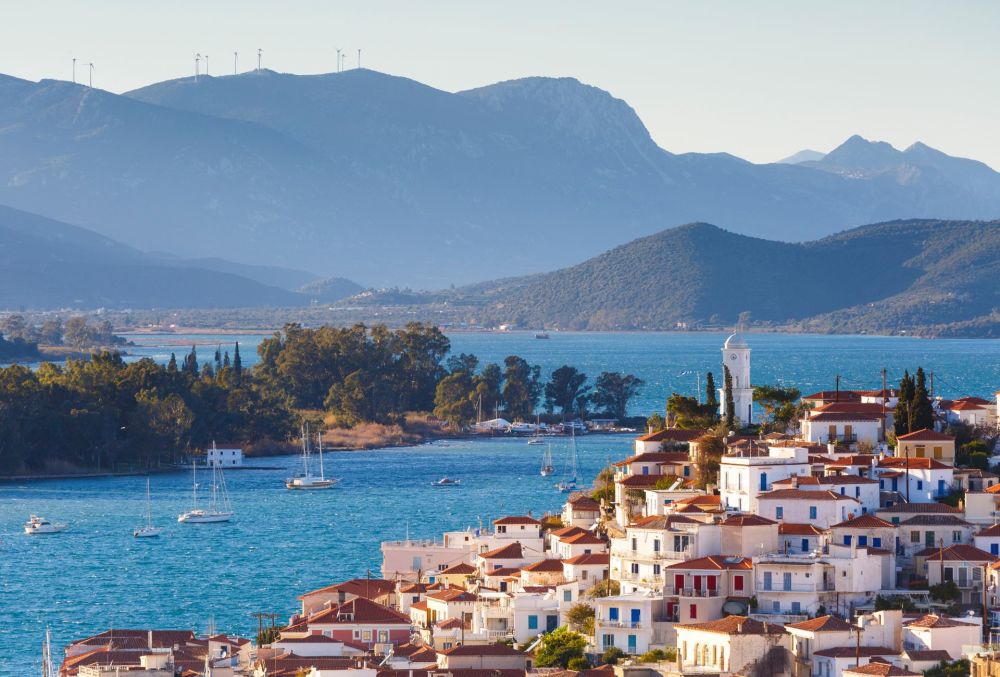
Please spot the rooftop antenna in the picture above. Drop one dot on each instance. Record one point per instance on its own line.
(74, 70)
(259, 53)
(197, 64)
(338, 59)
(236, 61)
(91, 79)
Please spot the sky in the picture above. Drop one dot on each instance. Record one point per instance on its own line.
(760, 79)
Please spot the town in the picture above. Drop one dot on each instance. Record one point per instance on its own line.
(850, 543)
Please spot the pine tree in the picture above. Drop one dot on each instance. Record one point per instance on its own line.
(921, 412)
(225, 360)
(218, 359)
(730, 403)
(190, 366)
(172, 364)
(901, 415)
(711, 394)
(237, 364)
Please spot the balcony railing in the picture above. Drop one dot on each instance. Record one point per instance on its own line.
(604, 623)
(673, 591)
(496, 635)
(796, 587)
(654, 556)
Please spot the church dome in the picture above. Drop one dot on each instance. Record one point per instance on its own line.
(735, 341)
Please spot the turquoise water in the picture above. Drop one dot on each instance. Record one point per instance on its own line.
(283, 543)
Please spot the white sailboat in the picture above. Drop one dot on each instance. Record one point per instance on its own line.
(547, 467)
(536, 438)
(219, 509)
(148, 531)
(48, 666)
(307, 480)
(569, 485)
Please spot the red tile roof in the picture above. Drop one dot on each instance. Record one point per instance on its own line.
(517, 519)
(358, 610)
(882, 669)
(589, 558)
(509, 551)
(452, 595)
(583, 539)
(822, 624)
(672, 435)
(956, 553)
(642, 481)
(913, 463)
(843, 416)
(462, 568)
(713, 562)
(747, 521)
(926, 435)
(735, 625)
(864, 522)
(917, 508)
(798, 529)
(832, 395)
(851, 651)
(568, 531)
(584, 502)
(935, 621)
(804, 495)
(370, 588)
(482, 650)
(549, 565)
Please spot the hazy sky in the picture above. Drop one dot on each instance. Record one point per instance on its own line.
(757, 79)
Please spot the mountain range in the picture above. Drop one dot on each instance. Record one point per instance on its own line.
(372, 177)
(50, 264)
(932, 276)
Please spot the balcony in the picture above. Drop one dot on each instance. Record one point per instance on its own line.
(841, 438)
(604, 623)
(499, 635)
(672, 591)
(796, 587)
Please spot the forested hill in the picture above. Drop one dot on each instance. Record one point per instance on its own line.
(936, 276)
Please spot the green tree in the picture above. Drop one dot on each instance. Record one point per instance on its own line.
(604, 588)
(655, 423)
(901, 414)
(487, 384)
(921, 412)
(711, 392)
(581, 618)
(613, 391)
(578, 663)
(462, 362)
(687, 413)
(559, 647)
(730, 403)
(521, 388)
(563, 389)
(612, 655)
(237, 364)
(778, 404)
(51, 332)
(75, 332)
(959, 668)
(707, 455)
(453, 399)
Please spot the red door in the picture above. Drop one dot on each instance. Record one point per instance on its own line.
(713, 581)
(678, 582)
(697, 583)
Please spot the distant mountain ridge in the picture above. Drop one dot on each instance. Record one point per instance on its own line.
(386, 180)
(49, 264)
(937, 276)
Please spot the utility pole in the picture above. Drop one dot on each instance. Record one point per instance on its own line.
(260, 616)
(885, 400)
(932, 386)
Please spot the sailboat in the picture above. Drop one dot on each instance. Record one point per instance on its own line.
(307, 480)
(48, 667)
(547, 468)
(536, 438)
(568, 485)
(219, 509)
(149, 530)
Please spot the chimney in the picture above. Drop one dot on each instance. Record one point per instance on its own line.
(795, 481)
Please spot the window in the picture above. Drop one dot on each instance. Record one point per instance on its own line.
(812, 512)
(635, 567)
(693, 611)
(645, 470)
(656, 569)
(567, 595)
(994, 549)
(635, 543)
(920, 485)
(796, 607)
(949, 574)
(847, 539)
(501, 529)
(738, 582)
(447, 645)
(895, 520)
(862, 541)
(613, 613)
(656, 545)
(533, 622)
(779, 513)
(609, 640)
(956, 536)
(914, 537)
(876, 542)
(776, 607)
(857, 492)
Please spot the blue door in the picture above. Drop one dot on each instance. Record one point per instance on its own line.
(636, 615)
(941, 491)
(994, 549)
(767, 580)
(763, 481)
(631, 644)
(551, 623)
(788, 580)
(613, 613)
(805, 545)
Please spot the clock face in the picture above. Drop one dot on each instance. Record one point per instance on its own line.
(732, 356)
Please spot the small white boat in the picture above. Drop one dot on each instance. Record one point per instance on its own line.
(446, 482)
(40, 525)
(219, 509)
(307, 480)
(535, 441)
(148, 531)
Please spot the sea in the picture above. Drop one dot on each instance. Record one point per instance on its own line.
(96, 576)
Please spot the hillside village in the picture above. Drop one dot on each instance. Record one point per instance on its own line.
(836, 549)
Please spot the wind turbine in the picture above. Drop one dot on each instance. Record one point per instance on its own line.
(259, 52)
(206, 64)
(91, 67)
(359, 57)
(338, 59)
(74, 70)
(236, 61)
(197, 63)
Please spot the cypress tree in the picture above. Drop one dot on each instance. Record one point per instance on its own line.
(225, 360)
(711, 395)
(730, 403)
(921, 412)
(901, 415)
(237, 364)
(207, 371)
(190, 366)
(172, 364)
(218, 359)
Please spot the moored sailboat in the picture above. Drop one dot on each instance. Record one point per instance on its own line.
(148, 531)
(307, 480)
(219, 509)
(547, 467)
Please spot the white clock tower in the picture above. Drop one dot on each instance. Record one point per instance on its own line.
(736, 357)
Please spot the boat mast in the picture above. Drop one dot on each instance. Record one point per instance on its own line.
(149, 507)
(305, 450)
(319, 440)
(194, 482)
(48, 669)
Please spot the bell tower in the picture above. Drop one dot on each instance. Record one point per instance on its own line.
(736, 357)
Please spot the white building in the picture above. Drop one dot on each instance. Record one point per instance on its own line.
(224, 457)
(736, 358)
(800, 506)
(726, 646)
(744, 475)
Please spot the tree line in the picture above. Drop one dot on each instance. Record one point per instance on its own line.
(76, 332)
(104, 414)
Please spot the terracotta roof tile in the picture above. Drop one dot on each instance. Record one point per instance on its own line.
(864, 522)
(956, 553)
(517, 519)
(735, 625)
(509, 551)
(822, 624)
(594, 558)
(926, 435)
(798, 529)
(714, 562)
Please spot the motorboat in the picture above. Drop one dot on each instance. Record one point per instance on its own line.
(40, 525)
(446, 482)
(541, 335)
